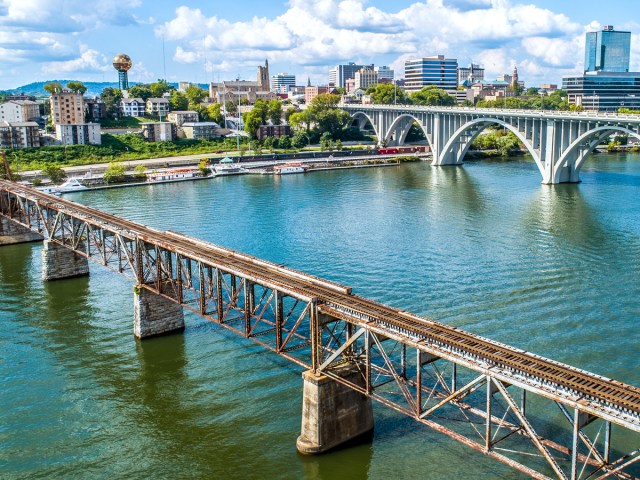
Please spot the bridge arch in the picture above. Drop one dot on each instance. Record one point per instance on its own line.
(408, 120)
(450, 157)
(363, 118)
(578, 150)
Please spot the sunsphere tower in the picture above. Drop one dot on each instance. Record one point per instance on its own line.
(122, 63)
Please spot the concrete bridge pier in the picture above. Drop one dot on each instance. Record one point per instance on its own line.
(332, 413)
(155, 315)
(12, 233)
(60, 262)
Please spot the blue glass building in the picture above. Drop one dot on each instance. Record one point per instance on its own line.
(607, 51)
(439, 71)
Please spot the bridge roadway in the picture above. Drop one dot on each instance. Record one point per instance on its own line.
(596, 395)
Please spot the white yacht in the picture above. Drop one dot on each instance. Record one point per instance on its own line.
(290, 167)
(72, 185)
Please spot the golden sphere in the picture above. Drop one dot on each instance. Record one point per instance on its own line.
(122, 62)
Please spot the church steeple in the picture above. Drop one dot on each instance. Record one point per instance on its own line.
(514, 78)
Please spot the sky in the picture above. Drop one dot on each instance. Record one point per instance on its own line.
(204, 41)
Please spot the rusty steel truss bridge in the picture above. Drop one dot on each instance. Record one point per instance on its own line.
(558, 142)
(541, 417)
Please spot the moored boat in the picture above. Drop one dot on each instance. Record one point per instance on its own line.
(72, 185)
(290, 167)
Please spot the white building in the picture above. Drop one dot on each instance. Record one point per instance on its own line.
(132, 107)
(365, 78)
(79, 133)
(385, 74)
(282, 82)
(157, 106)
(19, 134)
(158, 131)
(19, 111)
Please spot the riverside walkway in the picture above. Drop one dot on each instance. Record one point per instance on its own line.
(355, 349)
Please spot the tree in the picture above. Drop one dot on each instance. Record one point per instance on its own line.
(290, 111)
(159, 88)
(386, 93)
(432, 95)
(53, 87)
(299, 140)
(178, 100)
(531, 91)
(195, 94)
(274, 112)
(54, 173)
(285, 142)
(111, 98)
(77, 87)
(256, 117)
(302, 120)
(203, 166)
(114, 172)
(326, 141)
(215, 114)
(140, 91)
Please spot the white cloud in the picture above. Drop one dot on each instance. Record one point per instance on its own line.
(89, 61)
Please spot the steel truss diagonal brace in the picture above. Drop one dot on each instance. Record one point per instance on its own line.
(342, 349)
(529, 429)
(461, 392)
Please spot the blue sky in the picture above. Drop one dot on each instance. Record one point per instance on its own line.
(210, 40)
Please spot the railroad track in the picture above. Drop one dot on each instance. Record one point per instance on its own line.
(339, 300)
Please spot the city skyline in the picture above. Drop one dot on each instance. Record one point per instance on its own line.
(200, 42)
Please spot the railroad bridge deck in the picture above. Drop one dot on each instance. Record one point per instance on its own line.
(415, 365)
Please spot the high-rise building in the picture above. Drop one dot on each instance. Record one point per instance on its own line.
(340, 73)
(385, 74)
(467, 76)
(607, 51)
(67, 108)
(606, 84)
(263, 77)
(365, 77)
(282, 82)
(437, 70)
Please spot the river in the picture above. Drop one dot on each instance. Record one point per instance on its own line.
(484, 247)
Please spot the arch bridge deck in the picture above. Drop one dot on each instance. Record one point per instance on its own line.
(323, 326)
(559, 142)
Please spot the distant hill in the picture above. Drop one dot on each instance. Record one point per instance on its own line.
(93, 88)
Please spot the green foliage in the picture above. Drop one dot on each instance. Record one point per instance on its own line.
(299, 140)
(215, 114)
(531, 91)
(140, 91)
(122, 122)
(159, 88)
(77, 87)
(338, 145)
(140, 171)
(386, 93)
(628, 111)
(432, 95)
(274, 112)
(178, 101)
(114, 173)
(556, 101)
(326, 141)
(285, 142)
(195, 94)
(256, 117)
(53, 87)
(54, 173)
(203, 166)
(504, 141)
(111, 98)
(290, 111)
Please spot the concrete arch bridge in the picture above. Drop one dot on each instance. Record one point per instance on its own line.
(559, 142)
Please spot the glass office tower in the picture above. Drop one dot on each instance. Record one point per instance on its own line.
(607, 51)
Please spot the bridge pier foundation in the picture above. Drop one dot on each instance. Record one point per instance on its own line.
(12, 233)
(332, 413)
(60, 262)
(155, 315)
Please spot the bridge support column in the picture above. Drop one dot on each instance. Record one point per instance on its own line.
(12, 233)
(332, 413)
(60, 262)
(155, 315)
